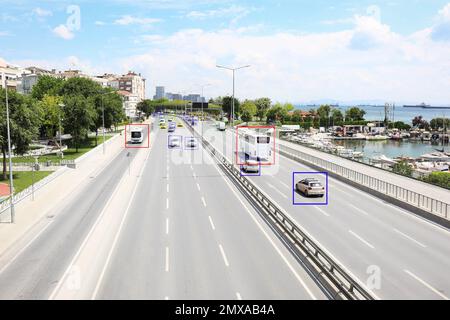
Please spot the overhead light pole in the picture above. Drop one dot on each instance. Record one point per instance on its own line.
(103, 120)
(232, 101)
(11, 182)
(61, 106)
(202, 116)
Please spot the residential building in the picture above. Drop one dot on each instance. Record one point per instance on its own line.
(133, 83)
(30, 77)
(130, 102)
(10, 73)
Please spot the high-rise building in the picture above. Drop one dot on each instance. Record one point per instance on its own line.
(160, 93)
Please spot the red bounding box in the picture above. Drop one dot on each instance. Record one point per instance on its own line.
(251, 144)
(129, 144)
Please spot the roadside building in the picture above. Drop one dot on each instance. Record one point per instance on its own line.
(10, 73)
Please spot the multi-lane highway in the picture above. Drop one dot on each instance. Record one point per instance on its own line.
(173, 227)
(365, 234)
(164, 223)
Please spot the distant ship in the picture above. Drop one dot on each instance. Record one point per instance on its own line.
(426, 106)
(422, 105)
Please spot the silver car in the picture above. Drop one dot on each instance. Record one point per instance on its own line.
(251, 166)
(310, 187)
(174, 142)
(191, 143)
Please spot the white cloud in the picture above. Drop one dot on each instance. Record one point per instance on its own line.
(42, 12)
(233, 10)
(100, 23)
(441, 30)
(63, 32)
(128, 20)
(366, 62)
(4, 33)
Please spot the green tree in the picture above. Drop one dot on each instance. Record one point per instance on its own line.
(262, 105)
(277, 113)
(227, 103)
(146, 107)
(297, 116)
(248, 110)
(441, 179)
(337, 117)
(403, 168)
(24, 123)
(440, 123)
(324, 115)
(355, 114)
(109, 103)
(79, 117)
(46, 85)
(80, 86)
(288, 107)
(50, 115)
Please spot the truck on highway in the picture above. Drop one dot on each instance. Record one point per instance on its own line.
(221, 126)
(137, 135)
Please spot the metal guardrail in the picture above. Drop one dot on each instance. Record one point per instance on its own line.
(28, 191)
(44, 164)
(436, 207)
(335, 277)
(425, 203)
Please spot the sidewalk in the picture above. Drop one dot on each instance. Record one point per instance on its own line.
(426, 189)
(53, 195)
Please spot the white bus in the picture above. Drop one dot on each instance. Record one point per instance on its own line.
(136, 135)
(256, 146)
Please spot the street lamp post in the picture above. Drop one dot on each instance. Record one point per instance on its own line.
(202, 116)
(232, 101)
(61, 106)
(11, 182)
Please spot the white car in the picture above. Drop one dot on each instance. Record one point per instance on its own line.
(251, 166)
(174, 142)
(310, 187)
(191, 142)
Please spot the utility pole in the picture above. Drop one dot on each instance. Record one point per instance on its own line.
(232, 101)
(11, 181)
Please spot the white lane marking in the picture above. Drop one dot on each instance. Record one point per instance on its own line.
(322, 211)
(281, 193)
(167, 259)
(166, 298)
(284, 184)
(116, 238)
(167, 226)
(426, 285)
(167, 187)
(410, 238)
(212, 223)
(294, 272)
(359, 210)
(194, 175)
(86, 239)
(168, 168)
(198, 187)
(204, 202)
(167, 203)
(361, 239)
(223, 255)
(192, 168)
(238, 296)
(25, 247)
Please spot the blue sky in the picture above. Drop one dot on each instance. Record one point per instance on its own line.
(299, 50)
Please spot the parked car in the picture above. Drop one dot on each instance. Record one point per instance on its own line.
(310, 187)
